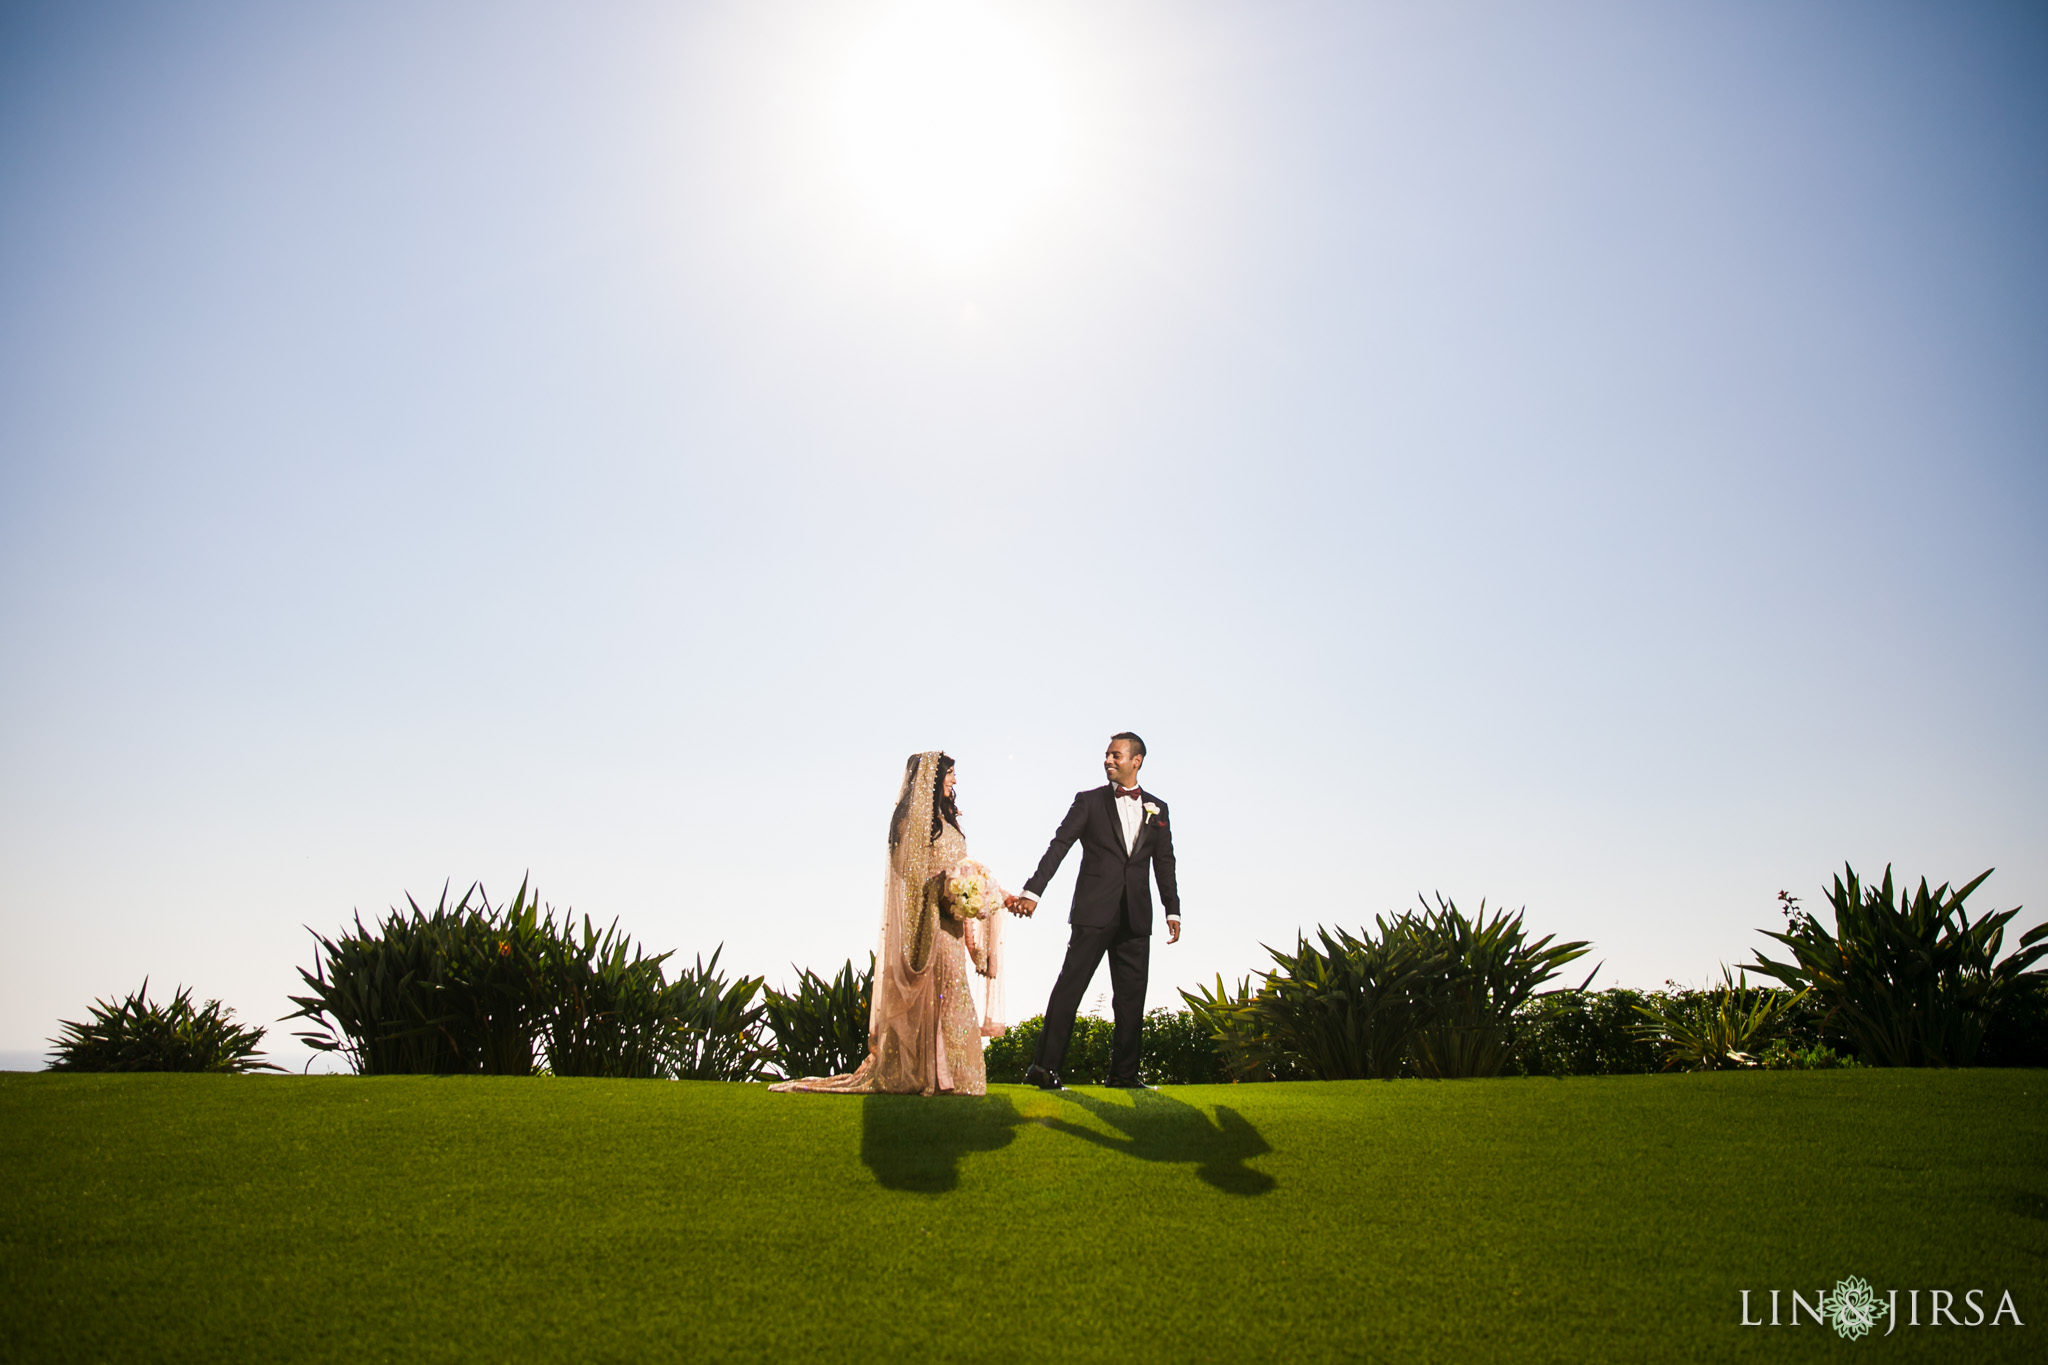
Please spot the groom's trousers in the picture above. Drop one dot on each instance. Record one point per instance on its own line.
(1130, 955)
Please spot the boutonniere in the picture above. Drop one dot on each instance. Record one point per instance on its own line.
(1150, 810)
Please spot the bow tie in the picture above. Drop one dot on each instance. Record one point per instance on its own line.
(1133, 793)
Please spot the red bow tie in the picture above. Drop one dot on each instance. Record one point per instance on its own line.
(1133, 793)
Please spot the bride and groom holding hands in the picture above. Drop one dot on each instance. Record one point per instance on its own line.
(940, 915)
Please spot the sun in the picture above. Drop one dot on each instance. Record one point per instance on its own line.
(951, 126)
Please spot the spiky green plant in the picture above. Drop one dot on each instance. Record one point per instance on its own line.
(1910, 978)
(368, 992)
(821, 1028)
(1436, 992)
(492, 1000)
(1345, 1010)
(607, 1005)
(1718, 1029)
(714, 1027)
(452, 990)
(137, 1034)
(1481, 970)
(1244, 1047)
(474, 988)
(470, 987)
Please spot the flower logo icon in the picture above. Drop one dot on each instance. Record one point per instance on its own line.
(1853, 1307)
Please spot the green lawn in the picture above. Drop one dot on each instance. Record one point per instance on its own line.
(337, 1219)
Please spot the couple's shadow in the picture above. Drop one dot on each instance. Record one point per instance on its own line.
(914, 1143)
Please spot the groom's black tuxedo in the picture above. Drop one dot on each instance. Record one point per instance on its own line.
(1112, 915)
(1110, 877)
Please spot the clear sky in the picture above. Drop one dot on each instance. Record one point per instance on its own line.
(1592, 457)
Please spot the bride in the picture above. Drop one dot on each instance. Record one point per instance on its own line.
(938, 914)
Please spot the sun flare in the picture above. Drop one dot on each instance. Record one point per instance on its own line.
(952, 126)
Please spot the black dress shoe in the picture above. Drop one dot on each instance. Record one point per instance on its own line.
(1040, 1077)
(1127, 1085)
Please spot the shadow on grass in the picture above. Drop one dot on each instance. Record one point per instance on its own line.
(915, 1142)
(1157, 1127)
(2027, 1204)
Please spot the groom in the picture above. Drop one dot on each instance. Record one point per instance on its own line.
(1122, 832)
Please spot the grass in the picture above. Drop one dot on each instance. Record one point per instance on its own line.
(478, 1218)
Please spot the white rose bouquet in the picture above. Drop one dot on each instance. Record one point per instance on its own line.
(971, 892)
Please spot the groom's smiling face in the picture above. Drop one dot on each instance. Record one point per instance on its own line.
(1121, 761)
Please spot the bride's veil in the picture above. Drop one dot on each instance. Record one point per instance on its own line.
(909, 898)
(900, 1028)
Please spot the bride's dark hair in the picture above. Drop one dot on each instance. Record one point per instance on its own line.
(944, 810)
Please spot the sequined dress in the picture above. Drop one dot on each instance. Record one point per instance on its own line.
(926, 1035)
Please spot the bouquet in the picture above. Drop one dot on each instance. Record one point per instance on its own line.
(970, 892)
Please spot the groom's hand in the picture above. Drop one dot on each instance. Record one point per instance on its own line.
(1019, 905)
(1173, 931)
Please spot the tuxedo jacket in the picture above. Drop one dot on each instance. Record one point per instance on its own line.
(1108, 874)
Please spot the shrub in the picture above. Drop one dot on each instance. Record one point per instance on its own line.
(1581, 1033)
(135, 1034)
(1178, 1049)
(1479, 972)
(1433, 994)
(1712, 1030)
(603, 1007)
(1598, 1033)
(1088, 1048)
(456, 989)
(1804, 1027)
(1006, 1058)
(1345, 1011)
(1175, 1048)
(2018, 1034)
(471, 988)
(490, 992)
(1910, 978)
(1237, 1033)
(821, 1028)
(713, 1027)
(1786, 1055)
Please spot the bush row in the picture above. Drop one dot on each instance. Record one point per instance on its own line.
(1903, 979)
(1175, 1049)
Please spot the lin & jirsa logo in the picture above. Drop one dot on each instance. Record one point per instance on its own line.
(1854, 1309)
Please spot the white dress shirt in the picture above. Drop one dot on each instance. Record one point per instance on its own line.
(1131, 813)
(1130, 810)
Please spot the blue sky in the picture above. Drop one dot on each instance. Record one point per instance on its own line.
(1591, 457)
